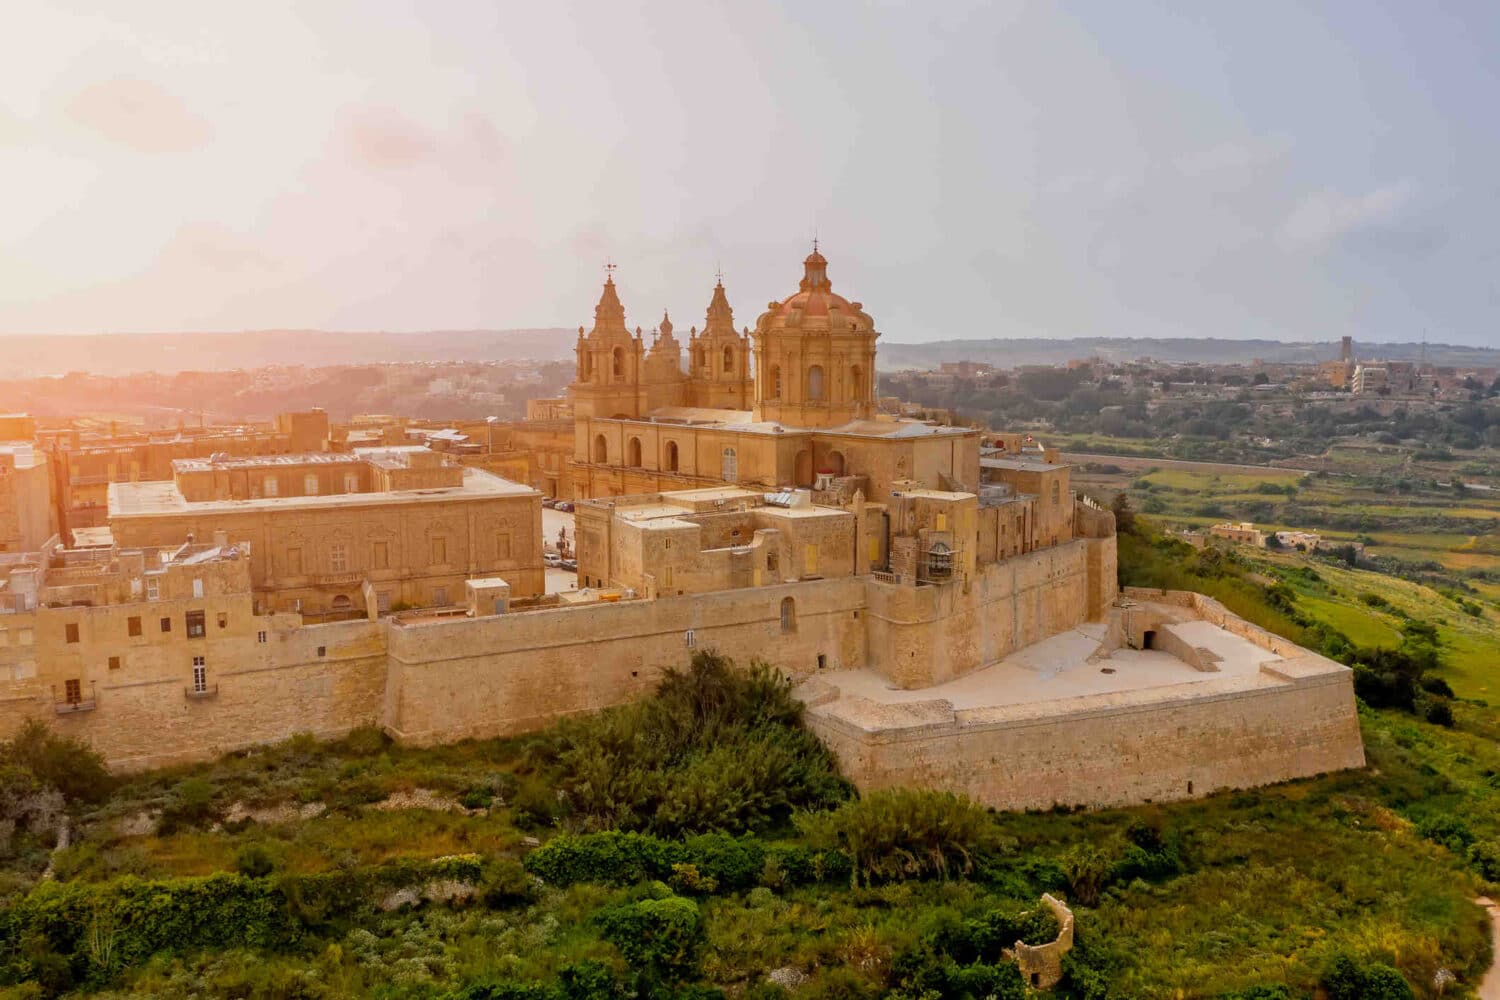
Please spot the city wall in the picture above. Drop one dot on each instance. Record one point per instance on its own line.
(1297, 719)
(517, 672)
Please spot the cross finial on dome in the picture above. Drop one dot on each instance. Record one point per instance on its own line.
(609, 270)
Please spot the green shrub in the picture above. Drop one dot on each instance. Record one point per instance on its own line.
(904, 833)
(1346, 978)
(66, 764)
(612, 858)
(1087, 870)
(191, 804)
(716, 749)
(255, 860)
(658, 937)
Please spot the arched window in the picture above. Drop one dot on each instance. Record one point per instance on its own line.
(341, 602)
(730, 467)
(775, 381)
(836, 462)
(815, 383)
(728, 359)
(671, 456)
(856, 383)
(788, 615)
(700, 358)
(619, 356)
(633, 453)
(601, 450)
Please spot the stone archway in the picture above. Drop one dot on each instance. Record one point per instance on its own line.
(835, 463)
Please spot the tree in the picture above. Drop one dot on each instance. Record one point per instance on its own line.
(1124, 515)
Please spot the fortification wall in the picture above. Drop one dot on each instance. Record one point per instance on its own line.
(927, 635)
(145, 718)
(512, 673)
(1301, 721)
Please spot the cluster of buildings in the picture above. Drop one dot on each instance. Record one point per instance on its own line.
(948, 604)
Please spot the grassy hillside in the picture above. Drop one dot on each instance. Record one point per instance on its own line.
(696, 843)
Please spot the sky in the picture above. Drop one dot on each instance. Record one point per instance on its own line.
(972, 170)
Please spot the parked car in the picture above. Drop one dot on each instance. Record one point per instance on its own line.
(571, 565)
(548, 502)
(552, 559)
(564, 506)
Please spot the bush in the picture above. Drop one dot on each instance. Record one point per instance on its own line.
(1087, 869)
(904, 833)
(658, 937)
(64, 763)
(716, 749)
(255, 860)
(191, 804)
(1348, 979)
(1439, 713)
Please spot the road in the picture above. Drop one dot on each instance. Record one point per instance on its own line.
(558, 580)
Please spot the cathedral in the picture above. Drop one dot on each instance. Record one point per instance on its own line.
(785, 405)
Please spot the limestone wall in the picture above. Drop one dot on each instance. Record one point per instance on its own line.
(517, 672)
(920, 636)
(1093, 753)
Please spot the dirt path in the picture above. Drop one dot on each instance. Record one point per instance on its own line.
(1489, 986)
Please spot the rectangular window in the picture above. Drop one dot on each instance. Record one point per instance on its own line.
(24, 636)
(73, 691)
(71, 631)
(200, 675)
(338, 558)
(439, 596)
(294, 562)
(260, 637)
(439, 551)
(166, 624)
(380, 555)
(153, 588)
(198, 588)
(810, 559)
(942, 522)
(502, 545)
(874, 550)
(351, 483)
(269, 487)
(133, 625)
(114, 663)
(310, 484)
(383, 601)
(196, 626)
(223, 617)
(690, 639)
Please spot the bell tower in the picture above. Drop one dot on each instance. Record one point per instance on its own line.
(608, 380)
(719, 359)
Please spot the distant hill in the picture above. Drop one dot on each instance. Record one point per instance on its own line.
(27, 355)
(1040, 351)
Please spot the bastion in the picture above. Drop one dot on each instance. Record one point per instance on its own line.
(1168, 696)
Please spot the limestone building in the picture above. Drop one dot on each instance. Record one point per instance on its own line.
(947, 604)
(407, 522)
(27, 516)
(784, 405)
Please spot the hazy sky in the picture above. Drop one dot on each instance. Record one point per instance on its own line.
(1242, 169)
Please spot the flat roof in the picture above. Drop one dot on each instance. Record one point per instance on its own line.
(165, 499)
(262, 461)
(1065, 673)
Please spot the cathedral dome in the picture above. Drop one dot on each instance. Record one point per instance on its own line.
(816, 307)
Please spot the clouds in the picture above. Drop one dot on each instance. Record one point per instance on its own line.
(1319, 220)
(977, 170)
(139, 115)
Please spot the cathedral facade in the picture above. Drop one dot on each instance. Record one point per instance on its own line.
(785, 405)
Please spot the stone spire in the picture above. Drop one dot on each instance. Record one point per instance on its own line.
(609, 314)
(815, 272)
(720, 316)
